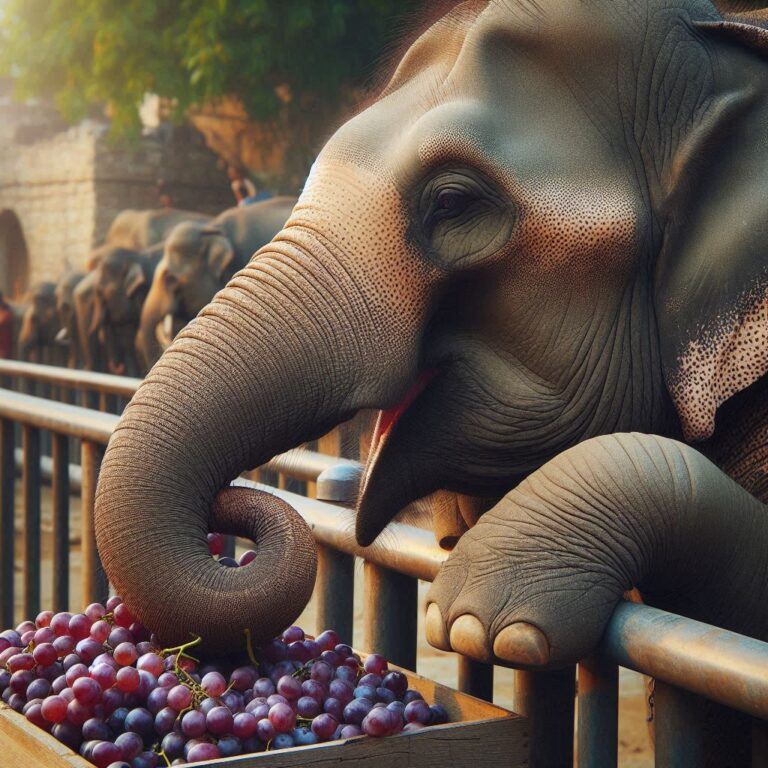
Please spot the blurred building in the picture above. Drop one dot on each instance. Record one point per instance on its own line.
(60, 187)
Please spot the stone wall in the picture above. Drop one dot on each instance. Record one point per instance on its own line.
(67, 188)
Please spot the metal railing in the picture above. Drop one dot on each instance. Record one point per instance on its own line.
(688, 659)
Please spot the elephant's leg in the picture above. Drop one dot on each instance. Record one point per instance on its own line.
(536, 580)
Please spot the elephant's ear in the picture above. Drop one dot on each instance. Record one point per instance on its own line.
(712, 272)
(134, 279)
(741, 24)
(219, 251)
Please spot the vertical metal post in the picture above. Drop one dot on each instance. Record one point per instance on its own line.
(229, 547)
(60, 492)
(546, 699)
(334, 592)
(31, 495)
(7, 515)
(476, 678)
(103, 404)
(679, 727)
(390, 614)
(598, 705)
(335, 585)
(95, 586)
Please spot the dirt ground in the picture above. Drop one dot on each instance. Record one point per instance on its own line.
(634, 747)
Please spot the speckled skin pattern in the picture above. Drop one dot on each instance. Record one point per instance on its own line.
(559, 207)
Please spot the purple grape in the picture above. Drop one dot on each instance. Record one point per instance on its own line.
(356, 710)
(88, 650)
(244, 725)
(397, 682)
(283, 741)
(313, 649)
(141, 721)
(179, 697)
(219, 721)
(116, 720)
(193, 724)
(292, 635)
(332, 658)
(397, 706)
(376, 664)
(322, 672)
(324, 726)
(95, 729)
(263, 687)
(265, 730)
(243, 678)
(308, 706)
(259, 711)
(112, 699)
(282, 717)
(334, 708)
(229, 746)
(104, 753)
(350, 731)
(275, 651)
(233, 700)
(130, 745)
(213, 684)
(297, 651)
(38, 689)
(167, 680)
(341, 690)
(276, 698)
(157, 700)
(365, 692)
(314, 689)
(378, 722)
(370, 679)
(411, 695)
(303, 737)
(328, 640)
(203, 751)
(206, 705)
(418, 711)
(172, 744)
(68, 734)
(439, 714)
(347, 675)
(165, 720)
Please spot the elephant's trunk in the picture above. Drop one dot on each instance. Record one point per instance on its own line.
(273, 361)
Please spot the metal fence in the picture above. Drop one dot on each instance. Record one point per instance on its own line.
(688, 659)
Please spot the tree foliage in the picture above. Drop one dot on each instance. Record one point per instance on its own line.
(284, 60)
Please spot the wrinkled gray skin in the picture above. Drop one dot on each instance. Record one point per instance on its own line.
(199, 260)
(560, 208)
(122, 280)
(39, 326)
(67, 334)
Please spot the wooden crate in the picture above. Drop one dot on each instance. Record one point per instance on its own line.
(480, 734)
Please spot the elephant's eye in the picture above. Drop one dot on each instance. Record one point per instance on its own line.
(464, 218)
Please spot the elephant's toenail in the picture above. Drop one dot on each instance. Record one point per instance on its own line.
(437, 634)
(468, 636)
(522, 644)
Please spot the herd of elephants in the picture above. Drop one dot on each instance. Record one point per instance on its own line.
(155, 271)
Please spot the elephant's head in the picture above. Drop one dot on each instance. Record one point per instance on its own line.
(39, 324)
(121, 285)
(197, 262)
(509, 251)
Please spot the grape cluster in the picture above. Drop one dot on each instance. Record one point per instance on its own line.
(103, 686)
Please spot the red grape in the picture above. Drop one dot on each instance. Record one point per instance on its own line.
(213, 684)
(282, 717)
(215, 543)
(54, 709)
(128, 679)
(179, 697)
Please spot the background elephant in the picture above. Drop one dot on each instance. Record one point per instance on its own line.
(521, 252)
(141, 229)
(198, 260)
(67, 335)
(122, 280)
(39, 326)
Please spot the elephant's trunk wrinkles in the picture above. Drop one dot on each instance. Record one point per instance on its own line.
(270, 363)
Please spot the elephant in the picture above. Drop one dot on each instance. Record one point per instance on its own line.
(198, 260)
(541, 252)
(121, 282)
(141, 229)
(67, 335)
(39, 325)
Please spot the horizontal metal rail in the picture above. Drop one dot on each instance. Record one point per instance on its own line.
(105, 383)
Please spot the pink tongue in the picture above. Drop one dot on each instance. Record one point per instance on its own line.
(387, 419)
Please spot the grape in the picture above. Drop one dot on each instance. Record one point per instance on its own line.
(282, 717)
(33, 713)
(396, 682)
(179, 697)
(104, 753)
(43, 635)
(116, 720)
(79, 626)
(104, 675)
(127, 679)
(376, 664)
(418, 711)
(439, 714)
(215, 543)
(54, 709)
(21, 661)
(88, 649)
(258, 710)
(122, 616)
(38, 689)
(248, 556)
(312, 649)
(219, 721)
(343, 691)
(242, 678)
(370, 679)
(86, 690)
(275, 650)
(356, 710)
(350, 731)
(378, 722)
(334, 707)
(263, 687)
(165, 719)
(193, 724)
(324, 726)
(328, 640)
(119, 635)
(265, 730)
(113, 602)
(119, 764)
(322, 672)
(172, 744)
(214, 684)
(313, 688)
(59, 624)
(203, 751)
(152, 663)
(43, 619)
(157, 700)
(385, 695)
(95, 611)
(140, 720)
(125, 654)
(244, 725)
(229, 746)
(347, 675)
(283, 741)
(147, 684)
(302, 737)
(130, 744)
(64, 645)
(78, 713)
(411, 695)
(289, 687)
(293, 634)
(112, 699)
(95, 729)
(167, 680)
(307, 706)
(20, 681)
(365, 692)
(67, 734)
